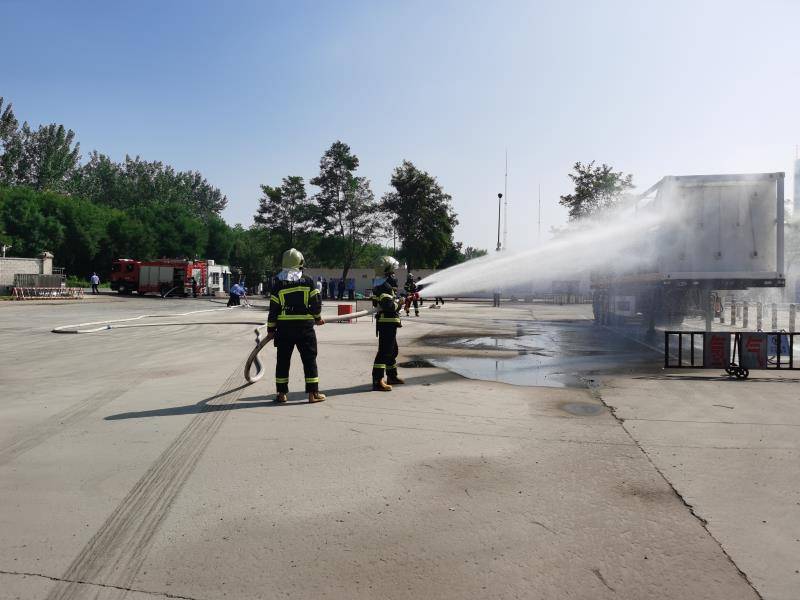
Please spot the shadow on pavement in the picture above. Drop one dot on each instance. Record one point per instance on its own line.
(267, 401)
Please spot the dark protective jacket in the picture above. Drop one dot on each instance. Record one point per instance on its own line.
(293, 304)
(410, 286)
(384, 299)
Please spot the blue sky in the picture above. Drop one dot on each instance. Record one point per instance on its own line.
(249, 92)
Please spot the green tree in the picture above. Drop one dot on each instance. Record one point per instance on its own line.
(220, 240)
(8, 122)
(136, 182)
(53, 154)
(10, 143)
(596, 188)
(457, 254)
(85, 227)
(28, 229)
(253, 253)
(422, 216)
(345, 205)
(284, 209)
(471, 252)
(43, 159)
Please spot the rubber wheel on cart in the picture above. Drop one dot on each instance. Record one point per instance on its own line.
(122, 289)
(742, 373)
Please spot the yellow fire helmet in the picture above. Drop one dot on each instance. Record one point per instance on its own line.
(386, 265)
(292, 259)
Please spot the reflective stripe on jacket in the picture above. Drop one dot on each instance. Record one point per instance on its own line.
(294, 304)
(385, 300)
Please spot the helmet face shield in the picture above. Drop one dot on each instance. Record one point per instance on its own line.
(386, 266)
(292, 259)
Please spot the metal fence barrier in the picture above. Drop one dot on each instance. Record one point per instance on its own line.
(737, 352)
(37, 280)
(41, 293)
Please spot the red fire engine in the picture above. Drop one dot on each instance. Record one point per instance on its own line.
(163, 276)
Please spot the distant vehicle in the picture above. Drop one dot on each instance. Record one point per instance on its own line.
(166, 277)
(729, 237)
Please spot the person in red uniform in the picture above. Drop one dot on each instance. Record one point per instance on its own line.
(412, 296)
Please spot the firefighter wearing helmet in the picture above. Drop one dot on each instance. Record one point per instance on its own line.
(295, 307)
(387, 320)
(412, 296)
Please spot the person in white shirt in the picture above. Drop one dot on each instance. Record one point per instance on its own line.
(319, 285)
(95, 281)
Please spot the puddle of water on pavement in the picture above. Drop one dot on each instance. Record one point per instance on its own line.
(550, 354)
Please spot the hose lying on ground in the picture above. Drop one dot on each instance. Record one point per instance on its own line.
(252, 359)
(261, 343)
(105, 325)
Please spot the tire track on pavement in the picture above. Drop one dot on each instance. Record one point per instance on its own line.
(115, 554)
(56, 424)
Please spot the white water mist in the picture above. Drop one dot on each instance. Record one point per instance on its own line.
(621, 240)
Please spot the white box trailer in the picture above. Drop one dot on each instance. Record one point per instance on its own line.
(728, 235)
(730, 229)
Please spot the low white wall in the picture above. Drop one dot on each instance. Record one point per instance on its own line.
(11, 266)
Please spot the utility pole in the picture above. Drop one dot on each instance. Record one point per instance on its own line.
(499, 207)
(505, 207)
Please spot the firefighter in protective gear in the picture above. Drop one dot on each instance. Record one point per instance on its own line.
(294, 308)
(412, 296)
(387, 320)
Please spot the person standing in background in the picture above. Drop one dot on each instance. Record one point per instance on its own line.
(237, 291)
(332, 289)
(324, 288)
(412, 296)
(95, 281)
(387, 321)
(318, 285)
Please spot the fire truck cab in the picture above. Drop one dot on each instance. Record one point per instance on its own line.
(166, 277)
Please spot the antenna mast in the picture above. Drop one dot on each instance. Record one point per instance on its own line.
(505, 207)
(539, 235)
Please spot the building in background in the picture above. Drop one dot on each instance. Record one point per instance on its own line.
(15, 266)
(219, 278)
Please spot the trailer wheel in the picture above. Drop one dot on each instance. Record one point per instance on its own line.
(122, 289)
(742, 373)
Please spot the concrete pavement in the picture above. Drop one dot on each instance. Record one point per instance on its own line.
(136, 464)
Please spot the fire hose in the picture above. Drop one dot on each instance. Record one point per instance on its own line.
(112, 324)
(261, 343)
(252, 359)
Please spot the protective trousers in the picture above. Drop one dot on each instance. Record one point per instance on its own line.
(286, 338)
(386, 358)
(411, 299)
